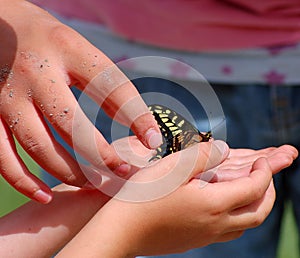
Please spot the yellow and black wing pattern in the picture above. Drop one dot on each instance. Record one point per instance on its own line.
(178, 133)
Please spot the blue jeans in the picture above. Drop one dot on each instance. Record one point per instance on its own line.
(257, 116)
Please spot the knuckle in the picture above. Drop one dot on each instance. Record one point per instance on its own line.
(34, 147)
(255, 190)
(69, 179)
(259, 217)
(63, 121)
(105, 159)
(60, 34)
(4, 157)
(26, 64)
(19, 182)
(286, 159)
(258, 191)
(218, 212)
(237, 234)
(218, 209)
(258, 220)
(16, 180)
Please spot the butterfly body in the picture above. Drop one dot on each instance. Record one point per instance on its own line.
(178, 133)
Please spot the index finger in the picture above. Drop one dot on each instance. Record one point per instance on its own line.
(103, 81)
(57, 103)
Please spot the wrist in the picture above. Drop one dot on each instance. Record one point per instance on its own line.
(113, 231)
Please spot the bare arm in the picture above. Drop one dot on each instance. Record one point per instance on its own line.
(40, 59)
(36, 230)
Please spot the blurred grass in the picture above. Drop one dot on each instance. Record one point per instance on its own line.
(11, 199)
(288, 245)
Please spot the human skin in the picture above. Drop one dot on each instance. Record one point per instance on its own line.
(217, 211)
(34, 63)
(191, 216)
(40, 59)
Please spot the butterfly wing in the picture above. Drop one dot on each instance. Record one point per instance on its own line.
(178, 133)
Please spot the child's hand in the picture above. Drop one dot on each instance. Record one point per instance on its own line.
(193, 214)
(40, 59)
(238, 163)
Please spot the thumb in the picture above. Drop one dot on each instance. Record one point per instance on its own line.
(161, 178)
(206, 166)
(181, 166)
(211, 154)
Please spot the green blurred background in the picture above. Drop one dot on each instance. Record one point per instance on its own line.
(10, 200)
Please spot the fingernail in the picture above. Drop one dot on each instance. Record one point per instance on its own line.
(42, 196)
(222, 147)
(153, 138)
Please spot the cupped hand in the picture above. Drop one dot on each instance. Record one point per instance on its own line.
(238, 163)
(40, 59)
(196, 213)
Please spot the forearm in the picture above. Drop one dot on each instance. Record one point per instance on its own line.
(113, 232)
(40, 230)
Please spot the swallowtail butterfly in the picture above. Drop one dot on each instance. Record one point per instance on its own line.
(178, 133)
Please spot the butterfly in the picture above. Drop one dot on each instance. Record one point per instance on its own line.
(178, 133)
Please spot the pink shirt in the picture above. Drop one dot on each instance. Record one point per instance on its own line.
(203, 25)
